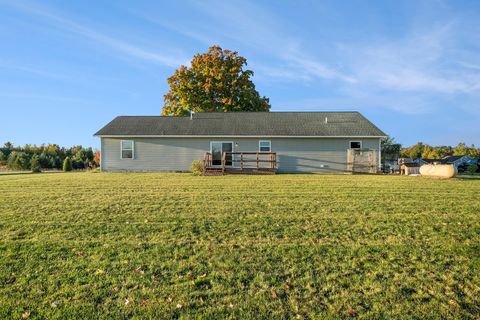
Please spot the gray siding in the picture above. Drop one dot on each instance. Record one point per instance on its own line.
(176, 154)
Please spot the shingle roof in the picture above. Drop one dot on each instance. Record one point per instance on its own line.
(444, 160)
(451, 159)
(345, 124)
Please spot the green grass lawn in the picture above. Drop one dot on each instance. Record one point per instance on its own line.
(97, 245)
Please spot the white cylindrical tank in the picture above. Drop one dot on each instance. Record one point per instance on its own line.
(438, 170)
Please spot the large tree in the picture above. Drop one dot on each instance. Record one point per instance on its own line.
(216, 81)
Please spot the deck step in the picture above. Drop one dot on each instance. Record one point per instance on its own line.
(219, 171)
(250, 171)
(213, 172)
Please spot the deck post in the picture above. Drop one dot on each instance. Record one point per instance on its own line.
(241, 161)
(223, 162)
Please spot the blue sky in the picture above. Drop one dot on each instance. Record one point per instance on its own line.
(412, 67)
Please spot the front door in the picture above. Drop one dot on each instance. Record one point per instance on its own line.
(217, 150)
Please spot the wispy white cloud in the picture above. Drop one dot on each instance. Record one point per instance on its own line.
(468, 65)
(35, 97)
(418, 63)
(280, 72)
(413, 75)
(314, 68)
(250, 25)
(413, 105)
(31, 70)
(195, 32)
(120, 46)
(409, 73)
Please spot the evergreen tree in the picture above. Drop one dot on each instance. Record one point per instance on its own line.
(35, 164)
(67, 164)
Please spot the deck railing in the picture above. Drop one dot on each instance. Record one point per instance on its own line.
(240, 161)
(208, 160)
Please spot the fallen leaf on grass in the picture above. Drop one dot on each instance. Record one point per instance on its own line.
(144, 302)
(80, 253)
(352, 312)
(26, 315)
(139, 270)
(127, 302)
(274, 295)
(99, 272)
(179, 306)
(169, 300)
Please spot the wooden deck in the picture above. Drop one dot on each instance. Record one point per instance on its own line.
(241, 163)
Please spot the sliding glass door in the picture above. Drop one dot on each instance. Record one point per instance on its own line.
(217, 150)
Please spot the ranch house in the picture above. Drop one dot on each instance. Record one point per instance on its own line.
(285, 142)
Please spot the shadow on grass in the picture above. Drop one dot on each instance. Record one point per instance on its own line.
(468, 177)
(15, 173)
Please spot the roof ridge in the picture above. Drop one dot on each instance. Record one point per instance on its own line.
(270, 112)
(170, 117)
(238, 112)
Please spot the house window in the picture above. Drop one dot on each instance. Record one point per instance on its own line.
(355, 145)
(126, 149)
(265, 146)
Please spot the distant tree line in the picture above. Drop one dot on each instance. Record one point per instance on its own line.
(421, 150)
(51, 156)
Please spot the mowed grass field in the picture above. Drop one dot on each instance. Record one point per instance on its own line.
(126, 245)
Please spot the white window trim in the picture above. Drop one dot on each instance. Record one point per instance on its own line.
(350, 144)
(269, 145)
(121, 149)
